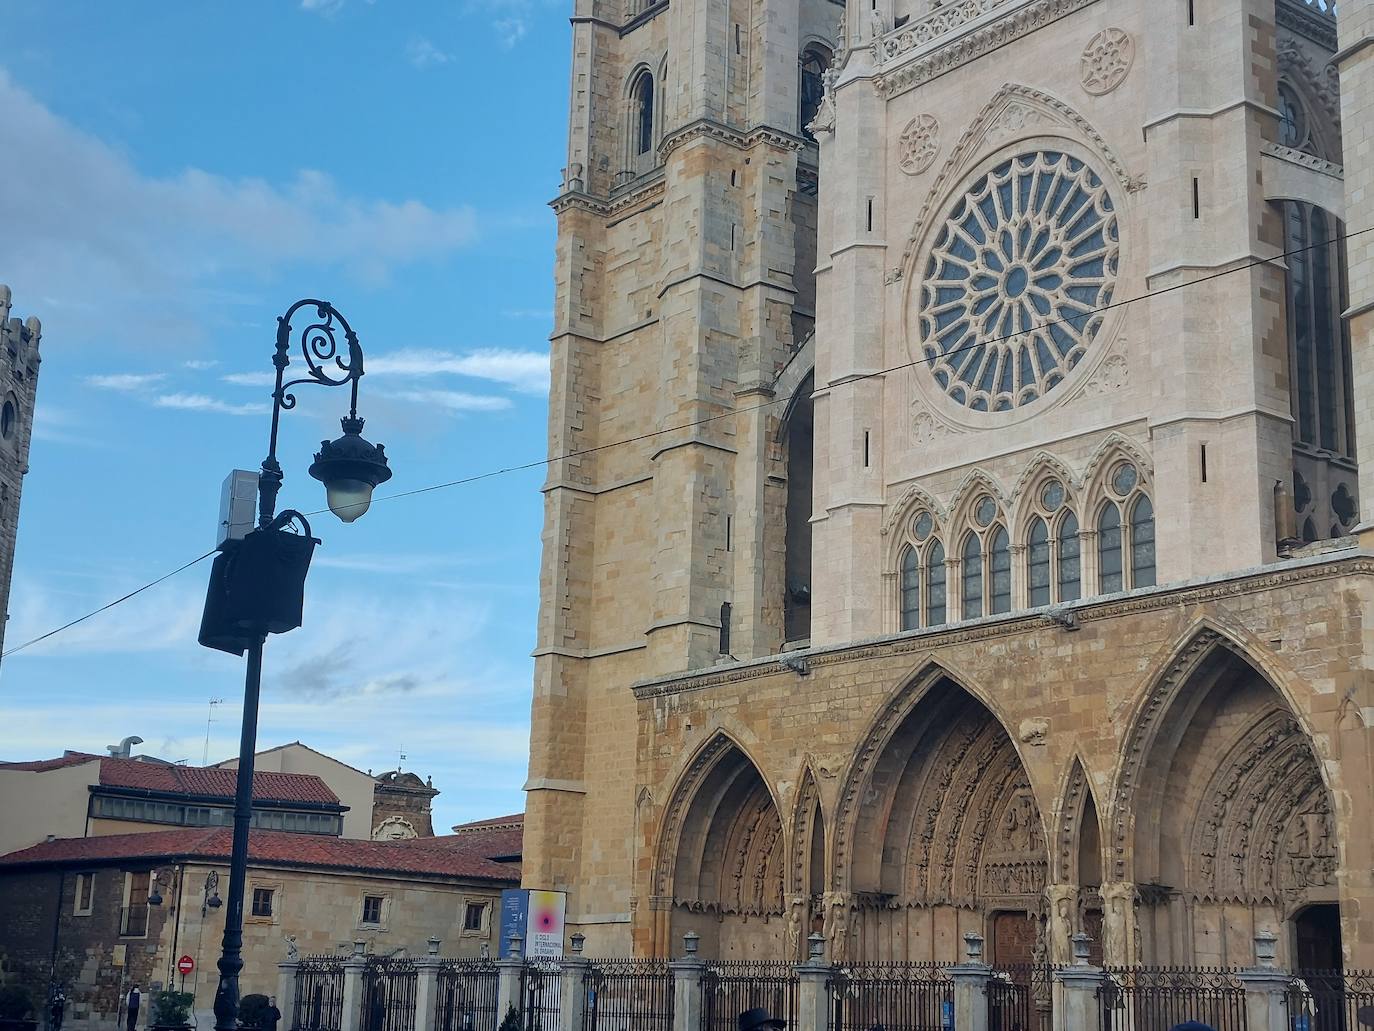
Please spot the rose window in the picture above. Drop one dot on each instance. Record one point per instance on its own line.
(1016, 279)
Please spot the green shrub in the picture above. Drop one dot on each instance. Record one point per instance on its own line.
(171, 1009)
(15, 1002)
(251, 1009)
(511, 1021)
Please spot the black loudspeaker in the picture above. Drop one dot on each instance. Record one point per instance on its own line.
(257, 587)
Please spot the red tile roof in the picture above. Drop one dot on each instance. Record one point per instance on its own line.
(203, 781)
(213, 782)
(419, 856)
(514, 820)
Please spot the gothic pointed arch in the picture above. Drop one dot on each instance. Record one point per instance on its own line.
(806, 863)
(913, 500)
(937, 808)
(974, 485)
(1220, 798)
(1077, 830)
(1113, 448)
(1043, 468)
(720, 851)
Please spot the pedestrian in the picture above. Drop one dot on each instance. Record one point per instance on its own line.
(1192, 1025)
(131, 1007)
(270, 1016)
(757, 1019)
(58, 1008)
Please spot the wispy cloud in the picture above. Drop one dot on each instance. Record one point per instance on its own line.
(205, 403)
(524, 371)
(511, 30)
(455, 400)
(541, 314)
(200, 364)
(325, 7)
(126, 381)
(422, 53)
(119, 251)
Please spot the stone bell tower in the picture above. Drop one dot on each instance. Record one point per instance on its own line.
(685, 294)
(18, 384)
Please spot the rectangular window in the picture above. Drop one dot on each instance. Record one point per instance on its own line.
(473, 916)
(372, 909)
(85, 892)
(262, 901)
(134, 918)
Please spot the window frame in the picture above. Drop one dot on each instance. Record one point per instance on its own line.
(909, 589)
(382, 906)
(86, 878)
(129, 906)
(273, 896)
(483, 909)
(1124, 505)
(1053, 522)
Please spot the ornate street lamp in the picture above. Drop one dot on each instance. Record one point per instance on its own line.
(257, 584)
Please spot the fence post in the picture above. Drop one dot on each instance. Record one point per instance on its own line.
(1265, 987)
(286, 990)
(351, 1018)
(1079, 1004)
(687, 985)
(813, 979)
(971, 979)
(509, 973)
(572, 986)
(427, 986)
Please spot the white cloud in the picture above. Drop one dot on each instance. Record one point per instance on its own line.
(121, 253)
(204, 403)
(325, 7)
(422, 53)
(523, 371)
(200, 364)
(510, 29)
(455, 400)
(127, 381)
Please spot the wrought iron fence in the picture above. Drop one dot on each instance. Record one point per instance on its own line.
(467, 990)
(389, 985)
(1157, 998)
(629, 995)
(541, 988)
(318, 1004)
(891, 996)
(1331, 1000)
(729, 987)
(1020, 998)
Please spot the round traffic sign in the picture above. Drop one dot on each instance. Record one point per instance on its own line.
(185, 965)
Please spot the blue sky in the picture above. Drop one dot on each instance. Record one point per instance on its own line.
(177, 174)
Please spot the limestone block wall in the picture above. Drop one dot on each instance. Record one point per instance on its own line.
(19, 361)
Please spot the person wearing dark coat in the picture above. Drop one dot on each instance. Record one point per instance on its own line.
(57, 1009)
(758, 1019)
(270, 1016)
(131, 1009)
(1192, 1025)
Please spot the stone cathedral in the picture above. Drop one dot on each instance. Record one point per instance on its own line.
(954, 521)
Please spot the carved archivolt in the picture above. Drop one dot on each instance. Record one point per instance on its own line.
(1075, 798)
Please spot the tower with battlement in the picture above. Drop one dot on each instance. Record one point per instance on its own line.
(19, 360)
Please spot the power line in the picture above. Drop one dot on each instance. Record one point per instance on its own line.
(543, 462)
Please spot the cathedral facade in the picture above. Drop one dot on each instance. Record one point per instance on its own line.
(954, 521)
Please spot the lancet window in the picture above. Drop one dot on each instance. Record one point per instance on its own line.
(1125, 533)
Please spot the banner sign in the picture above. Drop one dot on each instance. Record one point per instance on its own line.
(538, 917)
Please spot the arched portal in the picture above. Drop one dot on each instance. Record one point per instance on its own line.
(723, 856)
(1223, 821)
(946, 836)
(806, 876)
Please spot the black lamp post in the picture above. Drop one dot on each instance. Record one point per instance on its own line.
(257, 585)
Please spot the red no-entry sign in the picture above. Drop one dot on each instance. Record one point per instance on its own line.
(185, 965)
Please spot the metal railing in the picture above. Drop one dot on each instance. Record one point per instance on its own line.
(1331, 1000)
(389, 988)
(541, 990)
(629, 995)
(318, 1004)
(729, 987)
(467, 992)
(1020, 998)
(1157, 998)
(893, 996)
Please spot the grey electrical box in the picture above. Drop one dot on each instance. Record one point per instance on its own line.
(238, 506)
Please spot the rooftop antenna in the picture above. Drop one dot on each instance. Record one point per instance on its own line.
(205, 757)
(401, 758)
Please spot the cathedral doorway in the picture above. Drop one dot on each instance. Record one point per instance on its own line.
(1014, 939)
(1317, 938)
(947, 834)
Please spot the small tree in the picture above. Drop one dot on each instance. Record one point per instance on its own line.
(511, 1021)
(15, 1002)
(172, 1009)
(251, 1009)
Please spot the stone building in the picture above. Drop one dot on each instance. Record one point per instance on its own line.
(984, 554)
(96, 915)
(401, 806)
(19, 384)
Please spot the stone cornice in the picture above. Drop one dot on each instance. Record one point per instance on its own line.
(961, 47)
(1299, 16)
(1278, 575)
(613, 205)
(1302, 158)
(708, 128)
